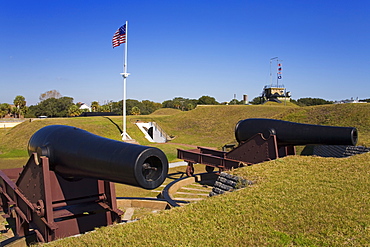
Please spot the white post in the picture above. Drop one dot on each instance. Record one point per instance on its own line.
(125, 136)
(271, 71)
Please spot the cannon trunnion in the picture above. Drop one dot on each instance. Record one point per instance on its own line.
(261, 140)
(67, 188)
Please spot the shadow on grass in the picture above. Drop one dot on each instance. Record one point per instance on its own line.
(118, 127)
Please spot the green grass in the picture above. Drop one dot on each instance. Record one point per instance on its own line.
(166, 111)
(304, 201)
(15, 153)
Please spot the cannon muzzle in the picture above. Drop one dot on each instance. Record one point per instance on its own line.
(289, 133)
(75, 153)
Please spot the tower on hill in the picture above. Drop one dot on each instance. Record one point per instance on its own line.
(277, 92)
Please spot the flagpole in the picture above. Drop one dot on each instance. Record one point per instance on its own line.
(125, 136)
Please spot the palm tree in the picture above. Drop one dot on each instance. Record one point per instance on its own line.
(95, 106)
(20, 105)
(4, 109)
(74, 111)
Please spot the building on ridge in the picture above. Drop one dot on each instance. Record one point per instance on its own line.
(275, 93)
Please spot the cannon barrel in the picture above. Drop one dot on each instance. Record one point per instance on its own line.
(75, 153)
(290, 133)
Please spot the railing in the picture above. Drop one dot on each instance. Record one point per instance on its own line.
(276, 85)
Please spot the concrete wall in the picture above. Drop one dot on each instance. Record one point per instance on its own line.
(9, 124)
(151, 132)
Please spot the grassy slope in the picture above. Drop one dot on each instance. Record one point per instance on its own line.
(213, 126)
(304, 201)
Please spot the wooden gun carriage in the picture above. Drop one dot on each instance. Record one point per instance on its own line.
(66, 187)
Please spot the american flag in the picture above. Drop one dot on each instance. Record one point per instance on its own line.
(119, 36)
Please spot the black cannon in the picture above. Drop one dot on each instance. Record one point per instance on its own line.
(66, 187)
(267, 139)
(75, 153)
(290, 133)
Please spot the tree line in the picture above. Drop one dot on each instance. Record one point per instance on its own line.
(53, 104)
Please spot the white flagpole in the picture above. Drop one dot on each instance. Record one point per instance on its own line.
(125, 136)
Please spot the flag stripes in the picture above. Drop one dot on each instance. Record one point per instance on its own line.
(119, 36)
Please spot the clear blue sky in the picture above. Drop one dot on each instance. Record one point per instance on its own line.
(184, 48)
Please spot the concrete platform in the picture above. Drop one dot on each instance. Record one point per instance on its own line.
(176, 164)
